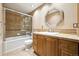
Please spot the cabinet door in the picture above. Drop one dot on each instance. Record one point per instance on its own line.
(35, 43)
(41, 45)
(68, 48)
(52, 46)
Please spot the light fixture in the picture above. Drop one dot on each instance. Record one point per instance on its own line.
(32, 5)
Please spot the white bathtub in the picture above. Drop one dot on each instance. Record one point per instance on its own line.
(13, 43)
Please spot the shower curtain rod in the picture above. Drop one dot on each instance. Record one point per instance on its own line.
(16, 11)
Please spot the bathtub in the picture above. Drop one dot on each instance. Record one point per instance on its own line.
(13, 43)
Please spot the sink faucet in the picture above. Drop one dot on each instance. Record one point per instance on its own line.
(50, 30)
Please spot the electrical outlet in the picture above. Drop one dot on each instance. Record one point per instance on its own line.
(76, 25)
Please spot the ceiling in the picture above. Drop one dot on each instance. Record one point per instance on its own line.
(22, 7)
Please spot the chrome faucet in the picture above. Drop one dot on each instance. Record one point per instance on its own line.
(50, 30)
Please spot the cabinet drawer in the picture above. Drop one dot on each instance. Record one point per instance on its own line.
(68, 47)
(68, 44)
(65, 53)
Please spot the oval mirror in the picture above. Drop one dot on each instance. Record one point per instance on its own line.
(54, 18)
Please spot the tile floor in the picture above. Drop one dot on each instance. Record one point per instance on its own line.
(21, 52)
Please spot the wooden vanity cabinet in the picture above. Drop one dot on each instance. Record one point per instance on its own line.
(41, 45)
(35, 42)
(68, 48)
(45, 46)
(52, 46)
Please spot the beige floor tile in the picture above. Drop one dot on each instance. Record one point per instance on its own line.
(21, 52)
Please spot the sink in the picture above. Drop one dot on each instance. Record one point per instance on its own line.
(48, 33)
(52, 32)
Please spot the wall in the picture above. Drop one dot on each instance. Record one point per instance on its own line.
(78, 18)
(69, 16)
(1, 28)
(39, 17)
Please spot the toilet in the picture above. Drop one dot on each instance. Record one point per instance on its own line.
(28, 44)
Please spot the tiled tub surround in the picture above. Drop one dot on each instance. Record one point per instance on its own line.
(16, 24)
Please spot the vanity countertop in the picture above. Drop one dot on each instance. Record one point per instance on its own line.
(56, 34)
